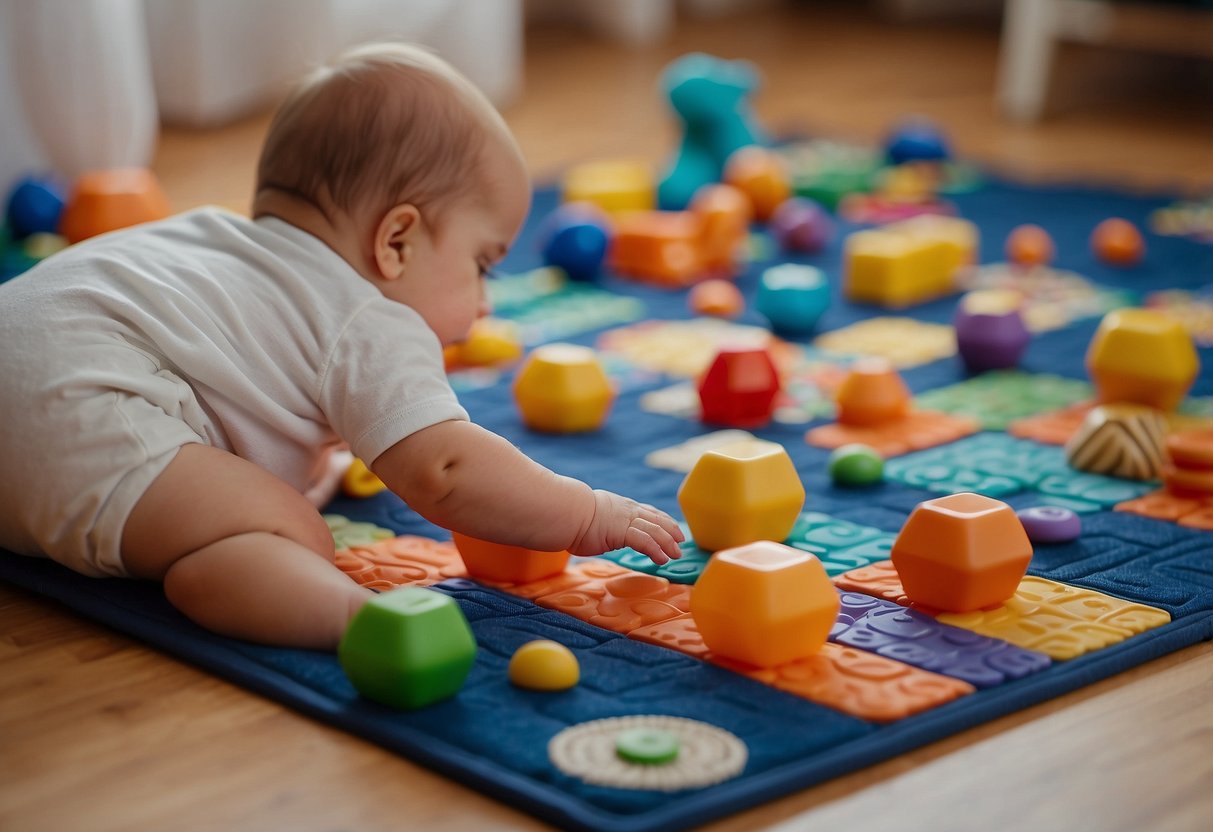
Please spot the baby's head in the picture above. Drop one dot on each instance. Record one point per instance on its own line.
(402, 166)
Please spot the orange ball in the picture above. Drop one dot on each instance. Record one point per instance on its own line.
(762, 176)
(716, 297)
(1117, 242)
(1029, 245)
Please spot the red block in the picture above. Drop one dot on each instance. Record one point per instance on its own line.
(739, 388)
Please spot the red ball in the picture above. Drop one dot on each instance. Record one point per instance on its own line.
(1117, 242)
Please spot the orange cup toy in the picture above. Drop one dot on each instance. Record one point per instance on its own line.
(507, 564)
(106, 200)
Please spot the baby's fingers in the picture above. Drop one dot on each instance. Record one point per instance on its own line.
(655, 515)
(651, 539)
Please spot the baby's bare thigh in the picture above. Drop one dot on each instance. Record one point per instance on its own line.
(206, 495)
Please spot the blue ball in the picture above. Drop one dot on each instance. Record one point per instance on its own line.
(793, 297)
(34, 206)
(917, 141)
(576, 241)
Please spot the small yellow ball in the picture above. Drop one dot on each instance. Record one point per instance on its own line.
(544, 665)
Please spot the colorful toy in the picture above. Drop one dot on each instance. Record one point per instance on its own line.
(575, 239)
(962, 552)
(718, 298)
(1050, 524)
(726, 213)
(106, 200)
(1029, 246)
(873, 393)
(505, 564)
(490, 342)
(544, 665)
(764, 604)
(34, 205)
(826, 172)
(762, 176)
(793, 297)
(613, 186)
(662, 246)
(739, 388)
(1190, 472)
(908, 262)
(801, 225)
(1120, 440)
(855, 465)
(647, 746)
(41, 245)
(1117, 242)
(990, 330)
(711, 96)
(408, 648)
(917, 140)
(562, 388)
(741, 493)
(1142, 356)
(360, 481)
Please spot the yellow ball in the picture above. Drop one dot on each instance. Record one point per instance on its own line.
(544, 665)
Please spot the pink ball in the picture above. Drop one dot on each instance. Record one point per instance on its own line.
(801, 225)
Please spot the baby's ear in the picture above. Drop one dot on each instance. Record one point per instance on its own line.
(395, 238)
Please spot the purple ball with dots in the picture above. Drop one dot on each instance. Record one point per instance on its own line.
(801, 225)
(1050, 524)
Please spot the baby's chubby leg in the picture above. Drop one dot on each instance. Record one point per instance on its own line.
(240, 552)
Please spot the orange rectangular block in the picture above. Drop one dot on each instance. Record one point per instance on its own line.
(661, 246)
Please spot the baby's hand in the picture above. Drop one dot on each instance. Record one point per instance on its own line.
(620, 522)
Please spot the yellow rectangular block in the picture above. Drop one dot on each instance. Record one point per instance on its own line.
(614, 186)
(957, 239)
(908, 262)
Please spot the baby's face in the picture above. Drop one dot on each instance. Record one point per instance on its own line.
(449, 264)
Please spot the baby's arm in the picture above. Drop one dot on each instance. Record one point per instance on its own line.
(460, 476)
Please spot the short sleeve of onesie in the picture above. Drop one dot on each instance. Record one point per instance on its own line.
(384, 379)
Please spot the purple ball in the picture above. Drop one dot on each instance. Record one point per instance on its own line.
(990, 341)
(802, 225)
(1050, 524)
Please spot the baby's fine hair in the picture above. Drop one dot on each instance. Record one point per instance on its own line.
(386, 123)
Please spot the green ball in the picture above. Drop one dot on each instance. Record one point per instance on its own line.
(647, 746)
(856, 465)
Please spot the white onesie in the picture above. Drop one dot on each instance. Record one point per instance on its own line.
(250, 336)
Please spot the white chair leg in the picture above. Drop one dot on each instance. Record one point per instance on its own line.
(1026, 57)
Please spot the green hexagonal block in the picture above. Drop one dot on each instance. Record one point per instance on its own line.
(408, 648)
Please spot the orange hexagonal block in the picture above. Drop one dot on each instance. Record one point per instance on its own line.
(872, 393)
(764, 604)
(507, 564)
(562, 388)
(106, 200)
(961, 553)
(662, 246)
(740, 493)
(1143, 356)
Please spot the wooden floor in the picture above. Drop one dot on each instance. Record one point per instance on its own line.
(99, 733)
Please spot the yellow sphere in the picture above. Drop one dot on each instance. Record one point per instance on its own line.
(544, 665)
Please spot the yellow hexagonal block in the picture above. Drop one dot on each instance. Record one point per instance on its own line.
(613, 186)
(562, 388)
(1142, 356)
(740, 493)
(764, 604)
(490, 341)
(908, 262)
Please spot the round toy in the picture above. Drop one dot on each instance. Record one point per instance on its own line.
(544, 665)
(647, 746)
(719, 298)
(762, 176)
(34, 206)
(1029, 245)
(855, 465)
(575, 239)
(1117, 242)
(793, 297)
(1050, 524)
(917, 140)
(801, 225)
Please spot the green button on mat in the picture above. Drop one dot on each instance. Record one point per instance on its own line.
(646, 746)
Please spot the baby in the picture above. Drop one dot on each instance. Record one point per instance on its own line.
(168, 393)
